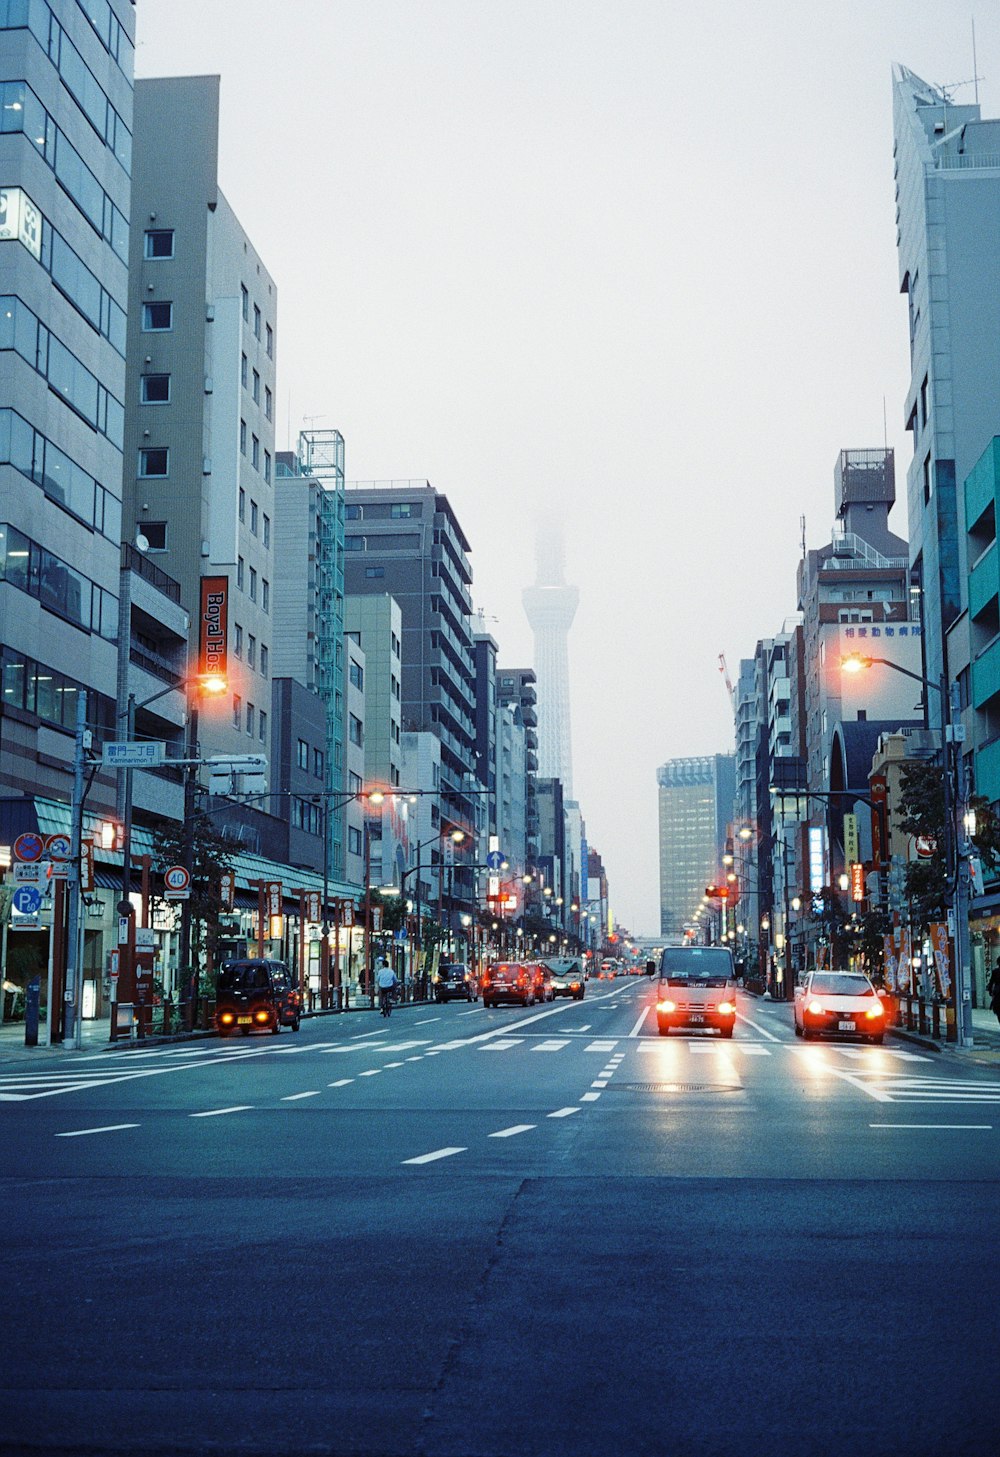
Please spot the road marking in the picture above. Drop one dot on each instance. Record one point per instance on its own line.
(707, 1046)
(563, 1112)
(584, 1028)
(371, 1072)
(470, 1013)
(426, 1022)
(418, 1058)
(972, 1127)
(752, 1050)
(502, 1046)
(590, 1097)
(635, 1029)
(758, 1028)
(218, 1112)
(515, 1128)
(600, 1083)
(108, 1128)
(552, 1045)
(600, 1046)
(386, 1046)
(395, 1064)
(340, 1083)
(294, 1097)
(384, 1031)
(439, 1153)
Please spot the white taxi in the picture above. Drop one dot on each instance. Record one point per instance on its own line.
(839, 1004)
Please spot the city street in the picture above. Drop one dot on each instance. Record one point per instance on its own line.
(502, 1232)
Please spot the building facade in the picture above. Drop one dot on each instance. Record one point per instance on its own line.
(695, 807)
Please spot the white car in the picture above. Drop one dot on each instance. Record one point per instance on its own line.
(838, 1004)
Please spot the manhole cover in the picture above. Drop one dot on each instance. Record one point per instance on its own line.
(674, 1087)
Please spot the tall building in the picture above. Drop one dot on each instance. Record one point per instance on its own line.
(516, 688)
(199, 417)
(550, 606)
(66, 168)
(695, 806)
(947, 169)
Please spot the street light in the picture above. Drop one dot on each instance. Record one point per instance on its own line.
(956, 860)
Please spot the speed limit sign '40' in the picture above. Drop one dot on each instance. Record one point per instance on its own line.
(177, 882)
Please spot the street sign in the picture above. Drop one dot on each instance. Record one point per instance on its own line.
(28, 874)
(401, 934)
(177, 878)
(29, 847)
(57, 847)
(146, 754)
(924, 846)
(25, 923)
(27, 900)
(495, 860)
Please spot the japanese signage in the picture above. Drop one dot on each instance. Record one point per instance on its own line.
(850, 838)
(20, 219)
(227, 890)
(880, 849)
(903, 629)
(857, 881)
(213, 639)
(942, 962)
(272, 897)
(86, 866)
(313, 903)
(817, 857)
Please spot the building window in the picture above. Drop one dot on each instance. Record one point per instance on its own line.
(244, 367)
(318, 763)
(154, 389)
(157, 318)
(155, 533)
(352, 513)
(262, 726)
(267, 466)
(253, 584)
(356, 731)
(255, 452)
(237, 711)
(243, 437)
(159, 243)
(357, 675)
(302, 754)
(153, 461)
(354, 782)
(256, 322)
(927, 479)
(264, 656)
(270, 341)
(250, 718)
(243, 504)
(266, 535)
(268, 404)
(253, 517)
(256, 388)
(252, 651)
(238, 640)
(265, 595)
(354, 839)
(244, 301)
(239, 573)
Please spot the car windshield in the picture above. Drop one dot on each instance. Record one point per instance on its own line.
(697, 963)
(242, 977)
(454, 973)
(842, 986)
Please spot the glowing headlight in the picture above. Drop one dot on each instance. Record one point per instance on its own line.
(666, 1007)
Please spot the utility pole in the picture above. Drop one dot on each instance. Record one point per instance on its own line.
(74, 959)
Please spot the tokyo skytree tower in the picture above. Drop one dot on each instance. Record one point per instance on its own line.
(550, 606)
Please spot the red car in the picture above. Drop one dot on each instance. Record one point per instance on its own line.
(508, 981)
(542, 981)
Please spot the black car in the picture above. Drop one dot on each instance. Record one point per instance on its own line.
(454, 979)
(256, 995)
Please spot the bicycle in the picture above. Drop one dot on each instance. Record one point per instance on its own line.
(385, 1000)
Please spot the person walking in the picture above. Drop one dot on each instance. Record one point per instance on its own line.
(993, 987)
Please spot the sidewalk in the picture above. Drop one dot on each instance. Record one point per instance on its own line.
(985, 1036)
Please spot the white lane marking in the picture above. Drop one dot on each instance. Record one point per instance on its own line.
(552, 1045)
(426, 1022)
(563, 1112)
(584, 1028)
(395, 1064)
(600, 1046)
(972, 1127)
(387, 1046)
(471, 1013)
(371, 1072)
(708, 1046)
(600, 1083)
(502, 1046)
(218, 1112)
(515, 1128)
(439, 1153)
(108, 1128)
(356, 1036)
(450, 1046)
(294, 1097)
(590, 1097)
(418, 1058)
(635, 1029)
(758, 1028)
(340, 1083)
(751, 1049)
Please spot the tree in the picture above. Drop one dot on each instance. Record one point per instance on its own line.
(212, 853)
(923, 805)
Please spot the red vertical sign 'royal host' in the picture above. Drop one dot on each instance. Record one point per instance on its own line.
(213, 638)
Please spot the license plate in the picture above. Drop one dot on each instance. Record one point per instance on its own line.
(696, 1017)
(241, 1020)
(845, 1026)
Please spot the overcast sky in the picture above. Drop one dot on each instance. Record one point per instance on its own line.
(631, 262)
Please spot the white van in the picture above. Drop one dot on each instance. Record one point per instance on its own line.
(697, 989)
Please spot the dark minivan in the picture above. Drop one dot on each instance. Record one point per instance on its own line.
(454, 979)
(256, 995)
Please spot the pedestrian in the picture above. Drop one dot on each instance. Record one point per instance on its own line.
(993, 987)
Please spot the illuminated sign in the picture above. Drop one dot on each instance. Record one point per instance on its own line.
(857, 881)
(213, 639)
(817, 858)
(20, 219)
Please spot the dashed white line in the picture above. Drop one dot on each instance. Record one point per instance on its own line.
(601, 1083)
(427, 1021)
(340, 1083)
(564, 1112)
(294, 1097)
(635, 1029)
(395, 1064)
(600, 1046)
(439, 1153)
(218, 1112)
(972, 1127)
(590, 1097)
(514, 1129)
(108, 1128)
(370, 1073)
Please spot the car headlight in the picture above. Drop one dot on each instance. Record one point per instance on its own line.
(875, 1012)
(727, 1009)
(666, 1007)
(815, 1009)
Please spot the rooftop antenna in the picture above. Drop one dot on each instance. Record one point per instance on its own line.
(975, 68)
(802, 529)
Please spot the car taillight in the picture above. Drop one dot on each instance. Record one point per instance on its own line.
(875, 1012)
(262, 1015)
(666, 1007)
(574, 986)
(227, 1018)
(727, 1008)
(815, 1009)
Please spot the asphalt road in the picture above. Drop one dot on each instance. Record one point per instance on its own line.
(472, 1233)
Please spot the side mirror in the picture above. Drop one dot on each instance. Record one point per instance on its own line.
(650, 968)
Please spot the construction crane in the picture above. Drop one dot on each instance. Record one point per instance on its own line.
(724, 670)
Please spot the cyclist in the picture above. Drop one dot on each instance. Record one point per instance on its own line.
(385, 980)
